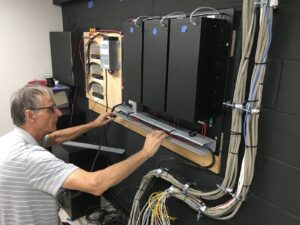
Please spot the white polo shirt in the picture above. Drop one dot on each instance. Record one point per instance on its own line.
(30, 178)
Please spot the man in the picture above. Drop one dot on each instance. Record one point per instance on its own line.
(30, 176)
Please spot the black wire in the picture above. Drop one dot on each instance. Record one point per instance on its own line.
(95, 159)
(114, 107)
(90, 41)
(99, 151)
(105, 135)
(112, 110)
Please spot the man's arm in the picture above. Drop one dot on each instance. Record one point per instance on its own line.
(67, 134)
(98, 182)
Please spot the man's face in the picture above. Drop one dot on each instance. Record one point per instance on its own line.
(46, 115)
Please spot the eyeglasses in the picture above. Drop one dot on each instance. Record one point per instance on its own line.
(50, 108)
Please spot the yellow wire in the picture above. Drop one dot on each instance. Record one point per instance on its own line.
(157, 210)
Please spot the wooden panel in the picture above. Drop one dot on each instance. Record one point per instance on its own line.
(112, 80)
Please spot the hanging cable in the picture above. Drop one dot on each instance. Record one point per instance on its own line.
(206, 11)
(172, 15)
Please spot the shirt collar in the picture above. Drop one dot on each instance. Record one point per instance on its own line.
(26, 136)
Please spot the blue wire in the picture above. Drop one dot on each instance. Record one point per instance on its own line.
(147, 218)
(258, 72)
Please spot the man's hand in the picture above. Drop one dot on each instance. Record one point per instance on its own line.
(153, 141)
(103, 119)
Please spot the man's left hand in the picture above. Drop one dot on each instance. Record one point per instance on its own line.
(103, 119)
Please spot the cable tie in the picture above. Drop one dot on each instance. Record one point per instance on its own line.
(234, 105)
(254, 111)
(251, 101)
(261, 83)
(234, 196)
(246, 186)
(158, 173)
(260, 63)
(238, 106)
(235, 133)
(185, 188)
(172, 188)
(229, 190)
(250, 59)
(199, 215)
(203, 207)
(234, 153)
(274, 4)
(261, 2)
(220, 187)
(226, 190)
(251, 146)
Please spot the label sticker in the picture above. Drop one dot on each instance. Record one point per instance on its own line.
(183, 28)
(131, 29)
(154, 31)
(90, 4)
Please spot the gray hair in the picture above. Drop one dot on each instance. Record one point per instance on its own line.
(26, 98)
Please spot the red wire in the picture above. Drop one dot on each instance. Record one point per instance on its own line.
(205, 128)
(39, 82)
(81, 59)
(109, 31)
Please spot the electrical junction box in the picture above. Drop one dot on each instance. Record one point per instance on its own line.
(197, 67)
(155, 60)
(102, 59)
(109, 53)
(133, 38)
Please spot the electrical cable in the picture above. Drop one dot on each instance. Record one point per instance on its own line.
(136, 20)
(73, 106)
(206, 12)
(172, 15)
(112, 110)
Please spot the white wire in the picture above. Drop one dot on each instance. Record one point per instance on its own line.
(172, 15)
(206, 9)
(136, 20)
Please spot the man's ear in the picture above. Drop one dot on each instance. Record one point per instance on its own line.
(29, 116)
